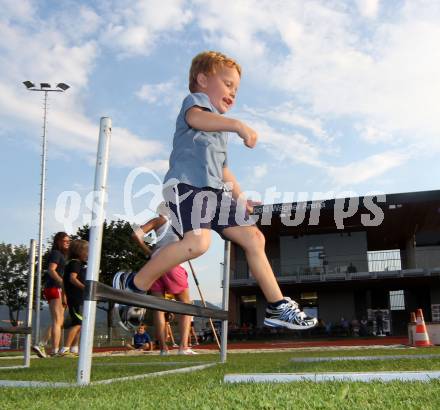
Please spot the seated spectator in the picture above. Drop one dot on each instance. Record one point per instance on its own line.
(141, 340)
(328, 328)
(355, 327)
(363, 328)
(345, 326)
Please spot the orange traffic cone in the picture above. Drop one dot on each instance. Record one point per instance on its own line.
(421, 337)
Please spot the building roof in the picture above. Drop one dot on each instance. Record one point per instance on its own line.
(389, 220)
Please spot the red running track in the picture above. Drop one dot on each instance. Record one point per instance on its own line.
(274, 345)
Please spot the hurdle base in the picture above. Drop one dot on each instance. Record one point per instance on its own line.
(331, 377)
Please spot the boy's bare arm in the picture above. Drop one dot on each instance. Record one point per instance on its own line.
(237, 194)
(229, 177)
(202, 120)
(139, 233)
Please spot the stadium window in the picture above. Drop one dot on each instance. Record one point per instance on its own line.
(316, 257)
(397, 300)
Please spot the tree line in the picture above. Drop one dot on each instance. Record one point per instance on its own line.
(119, 253)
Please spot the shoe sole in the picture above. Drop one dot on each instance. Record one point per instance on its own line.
(39, 353)
(280, 323)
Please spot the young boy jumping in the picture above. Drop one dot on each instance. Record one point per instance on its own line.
(197, 184)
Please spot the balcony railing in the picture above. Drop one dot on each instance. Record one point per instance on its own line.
(372, 265)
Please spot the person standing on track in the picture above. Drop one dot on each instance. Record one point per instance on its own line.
(53, 290)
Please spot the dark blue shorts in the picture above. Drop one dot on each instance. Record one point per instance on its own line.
(208, 208)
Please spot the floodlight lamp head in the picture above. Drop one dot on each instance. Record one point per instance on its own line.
(63, 86)
(29, 84)
(44, 85)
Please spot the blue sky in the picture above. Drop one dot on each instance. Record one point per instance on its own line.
(343, 94)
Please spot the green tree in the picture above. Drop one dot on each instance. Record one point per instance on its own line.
(14, 261)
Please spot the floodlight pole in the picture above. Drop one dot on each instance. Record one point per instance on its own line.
(42, 201)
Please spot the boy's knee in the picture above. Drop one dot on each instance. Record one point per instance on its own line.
(255, 240)
(197, 246)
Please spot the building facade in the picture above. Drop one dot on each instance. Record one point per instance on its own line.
(348, 258)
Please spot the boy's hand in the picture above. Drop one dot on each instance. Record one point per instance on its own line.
(250, 205)
(248, 135)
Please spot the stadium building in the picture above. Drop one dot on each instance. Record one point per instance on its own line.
(348, 258)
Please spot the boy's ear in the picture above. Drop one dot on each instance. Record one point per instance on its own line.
(202, 80)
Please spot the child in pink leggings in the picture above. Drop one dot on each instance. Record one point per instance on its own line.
(173, 282)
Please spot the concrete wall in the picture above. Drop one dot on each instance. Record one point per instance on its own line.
(340, 249)
(334, 305)
(435, 295)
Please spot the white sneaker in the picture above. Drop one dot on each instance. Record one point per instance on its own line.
(39, 350)
(289, 315)
(175, 345)
(164, 353)
(186, 352)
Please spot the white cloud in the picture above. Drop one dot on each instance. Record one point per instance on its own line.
(259, 171)
(290, 114)
(292, 146)
(340, 68)
(372, 134)
(41, 50)
(160, 93)
(368, 8)
(135, 27)
(368, 168)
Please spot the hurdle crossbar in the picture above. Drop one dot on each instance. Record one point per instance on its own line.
(100, 292)
(16, 330)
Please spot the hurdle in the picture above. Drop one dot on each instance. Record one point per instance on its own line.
(96, 291)
(27, 328)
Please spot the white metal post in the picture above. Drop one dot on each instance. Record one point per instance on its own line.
(95, 242)
(225, 302)
(30, 299)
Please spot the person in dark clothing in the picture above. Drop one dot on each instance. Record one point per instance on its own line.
(74, 284)
(53, 290)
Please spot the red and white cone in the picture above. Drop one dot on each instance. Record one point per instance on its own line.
(421, 337)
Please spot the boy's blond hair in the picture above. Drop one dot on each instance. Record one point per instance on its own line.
(206, 63)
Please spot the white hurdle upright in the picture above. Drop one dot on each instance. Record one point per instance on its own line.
(225, 301)
(30, 300)
(95, 243)
(27, 328)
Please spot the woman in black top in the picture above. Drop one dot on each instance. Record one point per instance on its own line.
(53, 290)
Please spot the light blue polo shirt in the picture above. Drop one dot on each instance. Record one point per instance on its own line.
(198, 157)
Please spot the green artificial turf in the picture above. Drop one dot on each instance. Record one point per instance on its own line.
(205, 389)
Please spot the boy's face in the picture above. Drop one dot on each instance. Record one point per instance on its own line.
(220, 87)
(141, 329)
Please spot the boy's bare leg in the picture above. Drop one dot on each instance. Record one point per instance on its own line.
(184, 321)
(193, 244)
(252, 241)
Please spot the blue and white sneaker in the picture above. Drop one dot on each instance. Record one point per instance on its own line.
(289, 315)
(128, 317)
